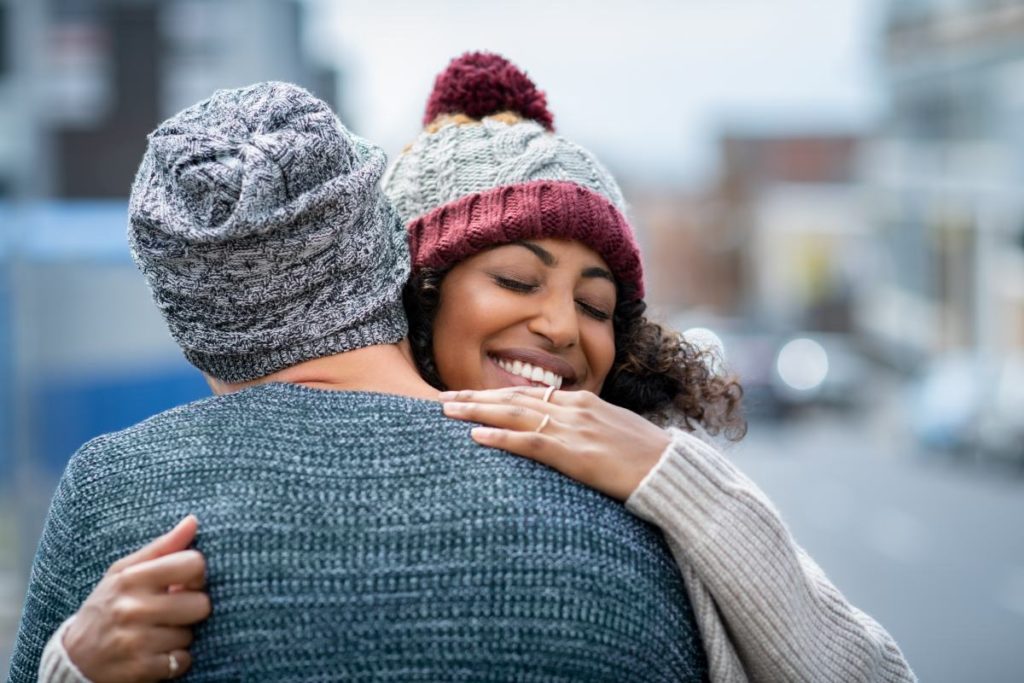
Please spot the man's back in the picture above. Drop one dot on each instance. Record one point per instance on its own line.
(358, 536)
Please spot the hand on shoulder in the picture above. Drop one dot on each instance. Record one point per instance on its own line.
(606, 447)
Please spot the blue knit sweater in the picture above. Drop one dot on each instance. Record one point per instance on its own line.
(358, 536)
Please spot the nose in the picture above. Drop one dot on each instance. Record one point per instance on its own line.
(556, 319)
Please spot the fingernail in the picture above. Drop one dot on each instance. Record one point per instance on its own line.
(483, 432)
(446, 396)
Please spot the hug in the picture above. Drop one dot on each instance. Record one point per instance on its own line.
(445, 442)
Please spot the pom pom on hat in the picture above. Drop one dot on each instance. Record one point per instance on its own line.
(479, 84)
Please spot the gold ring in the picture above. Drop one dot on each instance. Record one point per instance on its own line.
(547, 392)
(172, 663)
(543, 424)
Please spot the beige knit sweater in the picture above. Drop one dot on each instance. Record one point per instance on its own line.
(766, 611)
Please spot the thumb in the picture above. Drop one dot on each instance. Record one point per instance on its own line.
(178, 538)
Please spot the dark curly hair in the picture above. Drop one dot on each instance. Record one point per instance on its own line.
(655, 373)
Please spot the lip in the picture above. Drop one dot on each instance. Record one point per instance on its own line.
(539, 359)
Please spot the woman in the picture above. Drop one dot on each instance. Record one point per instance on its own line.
(526, 274)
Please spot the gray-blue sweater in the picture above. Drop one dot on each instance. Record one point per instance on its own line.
(360, 536)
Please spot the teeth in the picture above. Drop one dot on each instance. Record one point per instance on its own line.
(531, 372)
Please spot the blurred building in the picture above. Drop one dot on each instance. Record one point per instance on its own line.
(768, 256)
(82, 82)
(691, 260)
(777, 239)
(796, 208)
(946, 182)
(945, 179)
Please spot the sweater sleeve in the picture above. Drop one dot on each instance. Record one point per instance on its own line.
(784, 617)
(56, 666)
(55, 589)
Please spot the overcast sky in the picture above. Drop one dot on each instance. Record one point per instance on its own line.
(647, 85)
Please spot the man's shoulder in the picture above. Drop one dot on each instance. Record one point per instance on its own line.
(113, 442)
(268, 410)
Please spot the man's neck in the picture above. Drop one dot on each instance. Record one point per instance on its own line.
(386, 369)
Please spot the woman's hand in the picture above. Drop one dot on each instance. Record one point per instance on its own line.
(136, 623)
(606, 447)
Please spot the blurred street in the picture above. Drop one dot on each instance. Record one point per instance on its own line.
(930, 547)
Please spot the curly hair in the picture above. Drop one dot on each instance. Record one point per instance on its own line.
(655, 373)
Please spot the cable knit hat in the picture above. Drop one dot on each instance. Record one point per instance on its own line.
(489, 170)
(259, 224)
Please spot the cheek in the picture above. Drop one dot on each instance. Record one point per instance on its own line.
(463, 322)
(599, 347)
(451, 343)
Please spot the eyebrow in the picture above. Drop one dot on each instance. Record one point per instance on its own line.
(549, 260)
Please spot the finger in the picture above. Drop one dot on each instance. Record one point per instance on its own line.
(158, 666)
(174, 540)
(543, 448)
(185, 567)
(168, 638)
(503, 395)
(531, 397)
(552, 452)
(183, 608)
(503, 416)
(525, 397)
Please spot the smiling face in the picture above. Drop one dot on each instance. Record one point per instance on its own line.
(534, 312)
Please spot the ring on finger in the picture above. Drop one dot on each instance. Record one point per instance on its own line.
(172, 663)
(543, 424)
(548, 392)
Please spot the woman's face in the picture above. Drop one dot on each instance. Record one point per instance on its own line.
(534, 312)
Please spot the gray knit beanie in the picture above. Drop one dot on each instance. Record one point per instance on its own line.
(259, 224)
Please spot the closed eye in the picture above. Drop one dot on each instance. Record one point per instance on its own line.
(593, 311)
(514, 285)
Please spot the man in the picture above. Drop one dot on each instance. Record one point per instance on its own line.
(350, 530)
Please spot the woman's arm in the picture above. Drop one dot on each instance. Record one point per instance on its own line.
(785, 618)
(56, 666)
(135, 625)
(760, 600)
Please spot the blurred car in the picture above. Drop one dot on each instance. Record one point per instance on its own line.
(949, 398)
(821, 368)
(1001, 422)
(784, 372)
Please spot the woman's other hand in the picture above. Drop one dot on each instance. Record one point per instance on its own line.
(136, 623)
(606, 447)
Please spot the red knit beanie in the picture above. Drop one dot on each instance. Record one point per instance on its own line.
(481, 84)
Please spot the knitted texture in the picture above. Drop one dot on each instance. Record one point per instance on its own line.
(766, 611)
(534, 210)
(258, 222)
(479, 84)
(55, 665)
(356, 536)
(460, 161)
